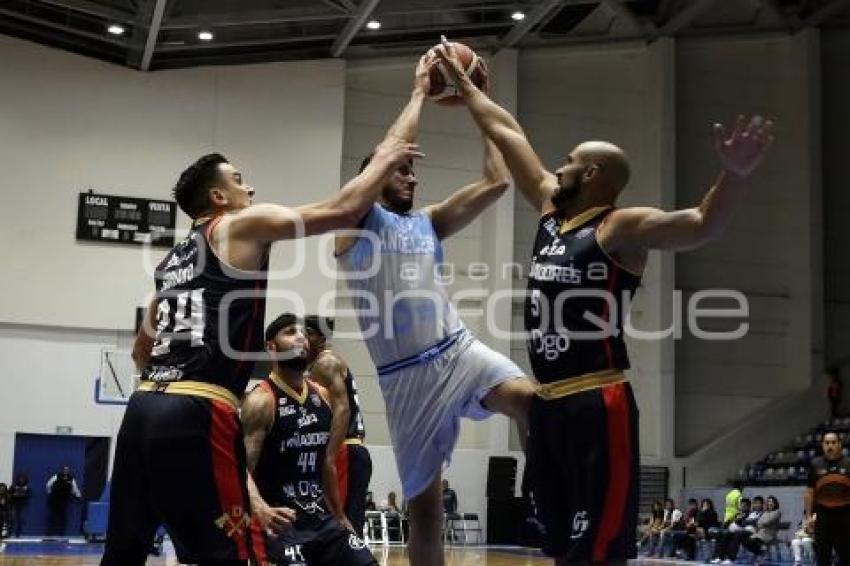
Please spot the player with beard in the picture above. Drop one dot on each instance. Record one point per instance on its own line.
(588, 258)
(431, 369)
(180, 458)
(348, 465)
(287, 422)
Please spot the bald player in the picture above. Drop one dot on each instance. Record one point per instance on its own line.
(588, 255)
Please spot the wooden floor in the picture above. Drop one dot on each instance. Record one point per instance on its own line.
(385, 556)
(392, 556)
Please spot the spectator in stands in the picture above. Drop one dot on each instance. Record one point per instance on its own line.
(766, 528)
(733, 499)
(20, 494)
(674, 521)
(827, 501)
(392, 503)
(5, 511)
(706, 519)
(61, 489)
(653, 528)
(684, 539)
(370, 502)
(834, 392)
(729, 540)
(449, 499)
(394, 523)
(801, 544)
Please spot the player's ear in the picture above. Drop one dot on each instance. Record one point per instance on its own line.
(590, 173)
(217, 197)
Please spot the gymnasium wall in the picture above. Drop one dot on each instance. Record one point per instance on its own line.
(772, 250)
(835, 48)
(71, 124)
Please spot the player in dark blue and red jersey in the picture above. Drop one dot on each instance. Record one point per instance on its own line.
(348, 464)
(180, 458)
(587, 262)
(287, 421)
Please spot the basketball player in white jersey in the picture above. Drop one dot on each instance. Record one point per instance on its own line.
(431, 370)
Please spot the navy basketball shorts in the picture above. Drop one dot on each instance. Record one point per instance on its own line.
(180, 462)
(583, 460)
(330, 544)
(354, 471)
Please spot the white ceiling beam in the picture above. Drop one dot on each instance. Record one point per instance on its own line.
(537, 15)
(353, 25)
(623, 11)
(684, 18)
(153, 33)
(820, 16)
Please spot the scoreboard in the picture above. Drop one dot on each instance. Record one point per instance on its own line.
(126, 220)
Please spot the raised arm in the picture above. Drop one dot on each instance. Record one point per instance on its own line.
(403, 130)
(265, 223)
(257, 416)
(406, 125)
(454, 213)
(635, 229)
(530, 176)
(329, 371)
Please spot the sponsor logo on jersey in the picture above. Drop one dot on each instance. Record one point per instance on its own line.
(581, 522)
(355, 542)
(550, 345)
(553, 249)
(585, 232)
(306, 419)
(309, 439)
(551, 226)
(235, 522)
(557, 273)
(315, 399)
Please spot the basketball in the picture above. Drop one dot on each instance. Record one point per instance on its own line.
(442, 90)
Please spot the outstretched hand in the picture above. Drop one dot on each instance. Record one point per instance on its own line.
(422, 79)
(449, 59)
(397, 151)
(742, 151)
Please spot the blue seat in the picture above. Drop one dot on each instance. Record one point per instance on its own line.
(97, 516)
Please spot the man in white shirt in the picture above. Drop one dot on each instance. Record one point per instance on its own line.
(61, 487)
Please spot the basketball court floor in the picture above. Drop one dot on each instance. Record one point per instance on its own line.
(83, 554)
(78, 553)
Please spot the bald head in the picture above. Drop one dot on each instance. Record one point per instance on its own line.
(612, 161)
(594, 173)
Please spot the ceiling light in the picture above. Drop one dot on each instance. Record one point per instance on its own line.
(373, 24)
(518, 16)
(205, 35)
(115, 29)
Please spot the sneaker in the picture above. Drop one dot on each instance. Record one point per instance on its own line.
(715, 561)
(727, 561)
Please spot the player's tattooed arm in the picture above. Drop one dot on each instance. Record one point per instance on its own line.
(329, 371)
(257, 416)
